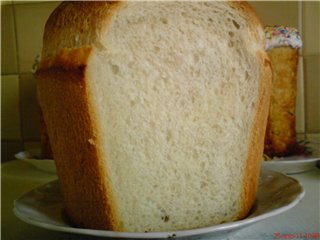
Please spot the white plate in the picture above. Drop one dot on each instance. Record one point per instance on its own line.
(296, 164)
(43, 207)
(293, 164)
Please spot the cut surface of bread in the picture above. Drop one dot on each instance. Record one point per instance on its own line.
(156, 111)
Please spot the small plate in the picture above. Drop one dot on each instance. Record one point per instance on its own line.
(296, 164)
(292, 164)
(277, 193)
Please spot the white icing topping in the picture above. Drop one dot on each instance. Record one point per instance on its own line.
(278, 36)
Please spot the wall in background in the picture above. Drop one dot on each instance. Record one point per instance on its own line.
(22, 25)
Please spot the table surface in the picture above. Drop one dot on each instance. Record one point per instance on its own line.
(19, 177)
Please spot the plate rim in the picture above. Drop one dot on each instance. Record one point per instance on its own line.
(292, 161)
(167, 234)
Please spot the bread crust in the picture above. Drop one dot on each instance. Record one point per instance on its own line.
(83, 22)
(75, 142)
(253, 21)
(46, 151)
(255, 148)
(281, 139)
(65, 60)
(252, 168)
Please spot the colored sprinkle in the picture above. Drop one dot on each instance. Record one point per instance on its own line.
(278, 36)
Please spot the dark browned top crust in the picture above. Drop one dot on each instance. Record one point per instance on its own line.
(83, 23)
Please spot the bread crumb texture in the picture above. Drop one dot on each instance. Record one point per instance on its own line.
(177, 102)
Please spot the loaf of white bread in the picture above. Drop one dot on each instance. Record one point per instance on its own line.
(156, 111)
(282, 45)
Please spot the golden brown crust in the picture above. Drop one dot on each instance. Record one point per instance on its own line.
(83, 22)
(253, 21)
(46, 151)
(281, 137)
(62, 92)
(67, 59)
(252, 169)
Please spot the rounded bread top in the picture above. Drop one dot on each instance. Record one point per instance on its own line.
(279, 36)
